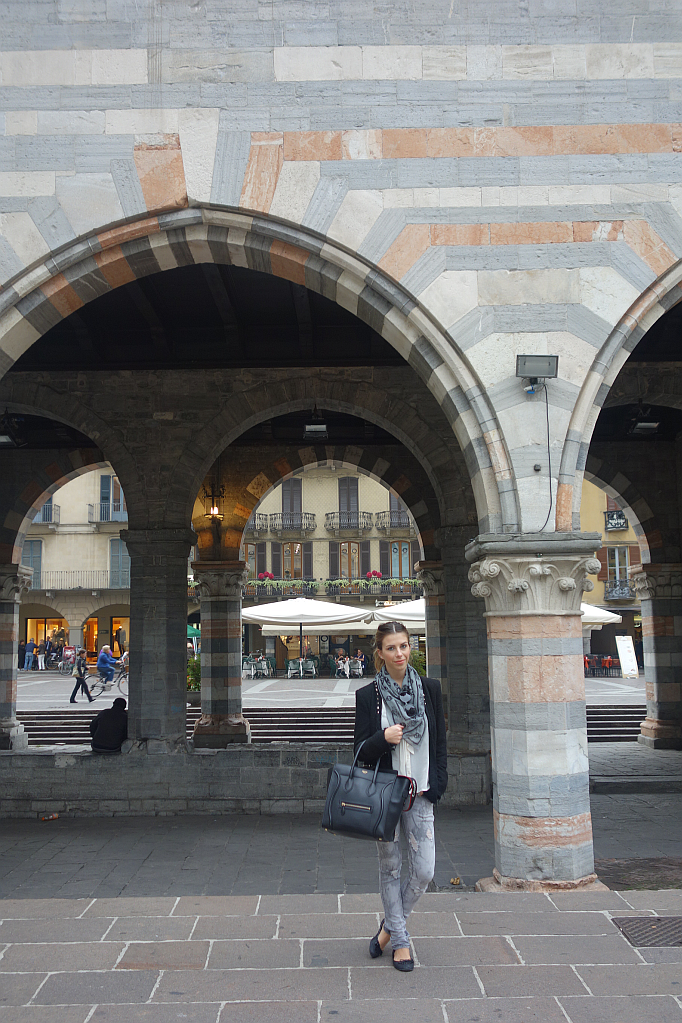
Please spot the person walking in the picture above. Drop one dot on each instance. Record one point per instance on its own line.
(30, 647)
(399, 718)
(41, 655)
(81, 669)
(21, 655)
(109, 729)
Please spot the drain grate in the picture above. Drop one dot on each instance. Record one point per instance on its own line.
(651, 930)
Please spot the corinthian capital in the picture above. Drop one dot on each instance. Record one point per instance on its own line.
(662, 581)
(220, 578)
(431, 576)
(15, 580)
(532, 584)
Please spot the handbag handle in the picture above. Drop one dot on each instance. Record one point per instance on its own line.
(349, 780)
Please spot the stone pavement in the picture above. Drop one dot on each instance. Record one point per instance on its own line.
(304, 959)
(629, 767)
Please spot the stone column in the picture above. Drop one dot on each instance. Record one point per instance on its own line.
(430, 574)
(660, 590)
(220, 589)
(532, 586)
(158, 640)
(14, 581)
(467, 649)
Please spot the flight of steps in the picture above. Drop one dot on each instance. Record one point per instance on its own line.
(614, 723)
(302, 724)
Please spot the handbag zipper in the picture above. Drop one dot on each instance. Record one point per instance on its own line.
(356, 806)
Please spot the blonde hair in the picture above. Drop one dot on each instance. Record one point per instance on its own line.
(384, 630)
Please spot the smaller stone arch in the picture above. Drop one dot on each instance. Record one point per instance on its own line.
(659, 298)
(640, 516)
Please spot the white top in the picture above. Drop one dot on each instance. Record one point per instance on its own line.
(402, 753)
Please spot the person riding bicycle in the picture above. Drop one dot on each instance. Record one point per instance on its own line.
(106, 663)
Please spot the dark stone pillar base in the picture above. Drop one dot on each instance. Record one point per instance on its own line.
(13, 738)
(660, 734)
(215, 731)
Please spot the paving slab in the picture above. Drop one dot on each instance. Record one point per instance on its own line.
(44, 1013)
(523, 981)
(234, 927)
(254, 954)
(93, 955)
(405, 1010)
(534, 923)
(473, 951)
(552, 949)
(505, 1010)
(627, 980)
(645, 1009)
(164, 955)
(252, 985)
(147, 928)
(19, 988)
(329, 925)
(434, 982)
(53, 929)
(93, 988)
(207, 1013)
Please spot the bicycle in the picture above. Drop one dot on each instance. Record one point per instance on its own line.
(102, 685)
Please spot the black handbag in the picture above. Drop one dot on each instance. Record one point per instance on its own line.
(365, 802)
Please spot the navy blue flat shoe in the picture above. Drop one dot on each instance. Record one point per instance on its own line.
(404, 965)
(375, 949)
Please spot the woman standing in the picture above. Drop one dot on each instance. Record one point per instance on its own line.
(399, 717)
(81, 669)
(21, 654)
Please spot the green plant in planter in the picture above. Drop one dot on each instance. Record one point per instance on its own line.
(418, 662)
(194, 674)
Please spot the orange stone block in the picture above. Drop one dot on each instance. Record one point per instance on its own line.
(128, 232)
(232, 538)
(288, 261)
(527, 140)
(658, 625)
(676, 130)
(545, 678)
(644, 138)
(450, 142)
(534, 626)
(648, 245)
(114, 266)
(262, 173)
(282, 466)
(411, 243)
(564, 507)
(162, 175)
(30, 494)
(544, 832)
(460, 234)
(401, 484)
(541, 233)
(312, 145)
(61, 295)
(404, 143)
(241, 512)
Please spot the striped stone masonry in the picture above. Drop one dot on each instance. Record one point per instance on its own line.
(14, 582)
(158, 644)
(532, 587)
(430, 574)
(220, 591)
(660, 590)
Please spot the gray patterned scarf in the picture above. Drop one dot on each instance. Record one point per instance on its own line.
(404, 703)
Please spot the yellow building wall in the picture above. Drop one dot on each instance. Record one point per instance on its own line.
(592, 520)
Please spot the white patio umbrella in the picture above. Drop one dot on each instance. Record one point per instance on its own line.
(304, 614)
(594, 617)
(411, 613)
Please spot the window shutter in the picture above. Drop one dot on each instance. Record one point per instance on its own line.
(105, 489)
(286, 496)
(352, 494)
(603, 571)
(343, 494)
(276, 559)
(384, 560)
(416, 556)
(308, 560)
(333, 559)
(634, 555)
(394, 503)
(364, 557)
(295, 498)
(260, 558)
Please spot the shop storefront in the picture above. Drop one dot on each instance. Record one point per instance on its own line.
(40, 629)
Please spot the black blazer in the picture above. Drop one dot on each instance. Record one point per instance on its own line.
(368, 727)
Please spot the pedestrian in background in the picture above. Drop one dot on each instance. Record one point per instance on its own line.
(80, 670)
(41, 655)
(21, 655)
(30, 647)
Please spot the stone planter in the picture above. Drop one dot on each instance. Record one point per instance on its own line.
(194, 697)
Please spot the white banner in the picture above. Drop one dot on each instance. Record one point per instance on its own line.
(626, 654)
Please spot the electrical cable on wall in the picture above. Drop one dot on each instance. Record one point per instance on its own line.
(549, 462)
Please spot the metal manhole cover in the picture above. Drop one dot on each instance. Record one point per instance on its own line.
(651, 930)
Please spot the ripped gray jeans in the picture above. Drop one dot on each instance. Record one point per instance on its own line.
(400, 898)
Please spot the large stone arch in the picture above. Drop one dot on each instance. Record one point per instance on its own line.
(653, 303)
(41, 297)
(427, 463)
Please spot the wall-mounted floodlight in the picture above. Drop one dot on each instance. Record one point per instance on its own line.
(535, 368)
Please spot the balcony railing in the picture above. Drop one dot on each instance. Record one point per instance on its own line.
(257, 525)
(619, 589)
(348, 522)
(391, 520)
(107, 511)
(615, 520)
(281, 588)
(82, 579)
(49, 513)
(377, 587)
(292, 522)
